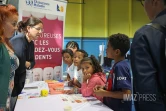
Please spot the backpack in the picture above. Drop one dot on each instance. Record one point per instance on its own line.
(161, 29)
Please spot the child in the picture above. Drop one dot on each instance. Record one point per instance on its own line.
(92, 76)
(78, 76)
(72, 45)
(120, 83)
(68, 59)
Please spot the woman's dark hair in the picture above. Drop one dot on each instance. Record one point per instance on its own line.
(72, 44)
(84, 52)
(69, 51)
(94, 62)
(31, 21)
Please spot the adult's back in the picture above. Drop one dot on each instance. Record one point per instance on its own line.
(19, 44)
(148, 61)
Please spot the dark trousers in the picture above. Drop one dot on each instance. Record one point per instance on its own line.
(13, 101)
(17, 89)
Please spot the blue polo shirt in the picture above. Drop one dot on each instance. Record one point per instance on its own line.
(121, 79)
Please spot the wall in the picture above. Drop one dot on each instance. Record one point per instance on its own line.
(91, 23)
(101, 18)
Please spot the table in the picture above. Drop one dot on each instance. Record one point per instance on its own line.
(55, 103)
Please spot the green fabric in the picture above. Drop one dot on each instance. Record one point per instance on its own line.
(4, 74)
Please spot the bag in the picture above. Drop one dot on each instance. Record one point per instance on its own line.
(160, 28)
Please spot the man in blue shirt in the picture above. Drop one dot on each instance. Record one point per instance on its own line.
(148, 60)
(119, 81)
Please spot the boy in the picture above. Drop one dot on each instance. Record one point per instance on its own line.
(78, 75)
(119, 81)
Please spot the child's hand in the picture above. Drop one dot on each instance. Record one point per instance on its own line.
(74, 80)
(86, 77)
(99, 92)
(69, 91)
(12, 84)
(76, 83)
(68, 77)
(97, 87)
(70, 83)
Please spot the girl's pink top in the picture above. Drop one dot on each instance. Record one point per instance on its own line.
(96, 79)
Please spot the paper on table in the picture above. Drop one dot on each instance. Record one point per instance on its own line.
(32, 90)
(73, 98)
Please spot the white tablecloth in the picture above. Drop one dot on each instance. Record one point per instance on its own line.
(55, 103)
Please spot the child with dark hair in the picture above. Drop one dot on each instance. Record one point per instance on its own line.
(78, 76)
(119, 80)
(72, 45)
(92, 76)
(67, 55)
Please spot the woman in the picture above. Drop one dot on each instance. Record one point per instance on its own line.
(8, 60)
(24, 48)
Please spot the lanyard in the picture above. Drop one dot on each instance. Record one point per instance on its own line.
(111, 73)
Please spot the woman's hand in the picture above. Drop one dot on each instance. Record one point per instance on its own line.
(12, 84)
(27, 64)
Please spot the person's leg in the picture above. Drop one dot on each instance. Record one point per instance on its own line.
(13, 101)
(13, 98)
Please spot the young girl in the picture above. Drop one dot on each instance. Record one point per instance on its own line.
(92, 76)
(68, 59)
